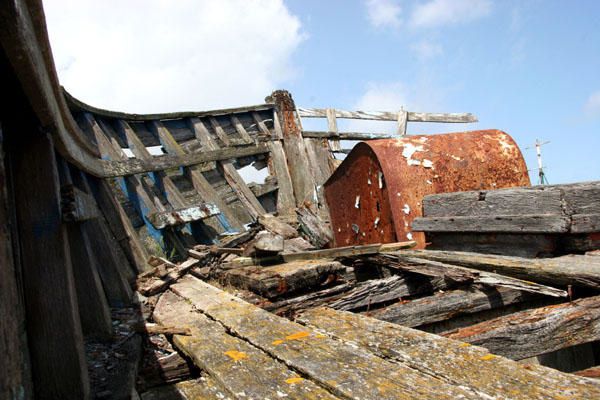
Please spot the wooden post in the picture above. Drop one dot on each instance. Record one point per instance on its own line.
(301, 172)
(53, 326)
(402, 121)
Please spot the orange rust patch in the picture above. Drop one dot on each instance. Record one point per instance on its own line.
(236, 355)
(296, 379)
(297, 335)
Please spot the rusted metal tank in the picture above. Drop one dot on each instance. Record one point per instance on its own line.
(376, 192)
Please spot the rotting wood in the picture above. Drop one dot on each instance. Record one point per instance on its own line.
(277, 226)
(57, 357)
(347, 135)
(181, 216)
(157, 285)
(394, 288)
(283, 279)
(334, 141)
(318, 231)
(389, 116)
(345, 370)
(233, 363)
(265, 243)
(446, 305)
(453, 362)
(152, 329)
(297, 161)
(542, 330)
(592, 372)
(310, 300)
(459, 274)
(76, 205)
(286, 202)
(499, 223)
(241, 130)
(573, 270)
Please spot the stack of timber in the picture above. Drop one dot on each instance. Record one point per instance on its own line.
(527, 222)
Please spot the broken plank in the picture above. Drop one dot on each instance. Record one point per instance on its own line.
(233, 363)
(181, 216)
(157, 285)
(317, 231)
(76, 205)
(499, 223)
(283, 279)
(447, 305)
(542, 330)
(459, 274)
(566, 270)
(345, 370)
(453, 362)
(276, 225)
(264, 243)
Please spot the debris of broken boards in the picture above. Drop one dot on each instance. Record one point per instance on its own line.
(331, 354)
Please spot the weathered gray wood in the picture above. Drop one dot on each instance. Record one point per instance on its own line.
(221, 134)
(137, 166)
(459, 274)
(283, 279)
(527, 245)
(276, 225)
(343, 369)
(317, 231)
(566, 270)
(373, 292)
(402, 122)
(446, 305)
(332, 128)
(156, 285)
(388, 116)
(538, 200)
(182, 216)
(585, 223)
(264, 243)
(54, 333)
(347, 135)
(241, 130)
(286, 202)
(500, 223)
(538, 331)
(310, 300)
(303, 182)
(452, 362)
(233, 363)
(582, 198)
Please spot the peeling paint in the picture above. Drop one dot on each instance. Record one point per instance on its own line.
(406, 209)
(357, 202)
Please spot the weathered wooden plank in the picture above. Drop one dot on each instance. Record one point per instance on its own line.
(76, 205)
(265, 243)
(334, 141)
(542, 330)
(343, 369)
(301, 174)
(286, 203)
(14, 364)
(347, 135)
(276, 225)
(582, 198)
(310, 300)
(451, 361)
(317, 231)
(233, 363)
(446, 305)
(500, 223)
(459, 274)
(527, 245)
(283, 279)
(389, 116)
(241, 130)
(402, 122)
(203, 388)
(566, 270)
(136, 166)
(182, 216)
(160, 284)
(537, 200)
(218, 129)
(585, 223)
(57, 357)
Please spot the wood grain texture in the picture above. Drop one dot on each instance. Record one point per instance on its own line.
(542, 330)
(500, 223)
(233, 363)
(453, 362)
(343, 369)
(388, 116)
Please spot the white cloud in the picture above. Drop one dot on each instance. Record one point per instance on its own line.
(436, 13)
(426, 49)
(379, 96)
(383, 13)
(592, 105)
(159, 55)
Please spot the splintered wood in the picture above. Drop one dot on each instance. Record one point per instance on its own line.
(333, 354)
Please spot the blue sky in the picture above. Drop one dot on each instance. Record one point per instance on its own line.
(530, 68)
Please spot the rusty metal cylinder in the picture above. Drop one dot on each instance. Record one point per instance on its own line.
(377, 191)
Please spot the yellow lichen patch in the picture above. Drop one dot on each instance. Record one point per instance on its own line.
(297, 335)
(236, 355)
(320, 336)
(465, 344)
(277, 342)
(488, 357)
(296, 379)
